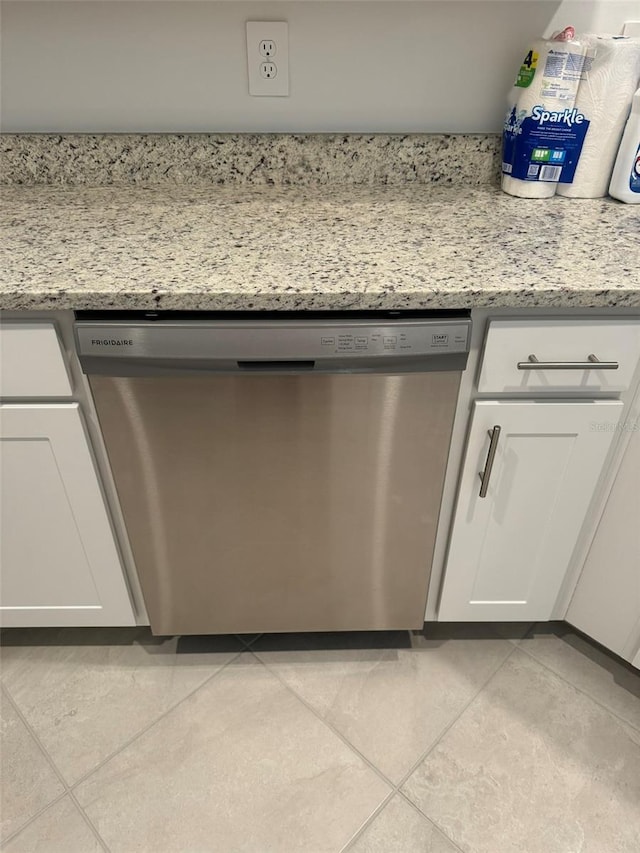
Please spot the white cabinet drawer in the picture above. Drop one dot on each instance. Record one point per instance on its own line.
(31, 361)
(512, 342)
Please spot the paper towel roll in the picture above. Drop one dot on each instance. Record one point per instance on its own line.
(610, 79)
(528, 189)
(554, 87)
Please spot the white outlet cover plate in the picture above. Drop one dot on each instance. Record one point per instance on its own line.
(631, 28)
(277, 32)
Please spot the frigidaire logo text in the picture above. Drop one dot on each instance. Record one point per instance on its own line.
(111, 342)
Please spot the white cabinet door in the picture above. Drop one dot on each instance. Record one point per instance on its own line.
(509, 551)
(59, 562)
(32, 363)
(606, 601)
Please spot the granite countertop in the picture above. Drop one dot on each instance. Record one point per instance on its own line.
(306, 247)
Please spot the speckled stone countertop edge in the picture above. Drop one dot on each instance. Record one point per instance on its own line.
(350, 249)
(439, 298)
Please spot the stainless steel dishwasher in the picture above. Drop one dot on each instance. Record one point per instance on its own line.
(278, 473)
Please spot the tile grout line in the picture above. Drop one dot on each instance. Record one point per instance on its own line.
(432, 822)
(153, 723)
(473, 698)
(374, 814)
(324, 722)
(495, 673)
(397, 788)
(89, 822)
(439, 739)
(50, 805)
(48, 759)
(381, 805)
(34, 817)
(248, 643)
(580, 690)
(67, 788)
(33, 734)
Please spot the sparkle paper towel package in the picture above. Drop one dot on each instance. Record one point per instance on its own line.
(567, 113)
(543, 131)
(609, 79)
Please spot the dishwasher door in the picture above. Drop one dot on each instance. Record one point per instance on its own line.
(280, 502)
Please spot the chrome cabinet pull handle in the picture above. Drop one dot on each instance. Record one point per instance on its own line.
(485, 476)
(592, 363)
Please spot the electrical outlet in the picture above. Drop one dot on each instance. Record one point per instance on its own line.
(267, 48)
(268, 58)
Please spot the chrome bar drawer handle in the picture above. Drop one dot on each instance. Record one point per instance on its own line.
(485, 476)
(592, 363)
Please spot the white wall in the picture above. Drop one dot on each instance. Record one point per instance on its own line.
(354, 66)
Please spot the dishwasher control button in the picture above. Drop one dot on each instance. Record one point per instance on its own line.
(362, 342)
(328, 342)
(440, 340)
(345, 342)
(390, 341)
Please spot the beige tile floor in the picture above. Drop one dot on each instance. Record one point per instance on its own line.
(467, 738)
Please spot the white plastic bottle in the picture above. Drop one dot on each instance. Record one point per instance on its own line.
(625, 180)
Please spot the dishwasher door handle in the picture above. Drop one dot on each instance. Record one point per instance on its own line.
(277, 366)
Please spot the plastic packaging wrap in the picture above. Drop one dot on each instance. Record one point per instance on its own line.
(625, 181)
(610, 77)
(541, 127)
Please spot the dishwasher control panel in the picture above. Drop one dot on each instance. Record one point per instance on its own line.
(321, 345)
(403, 341)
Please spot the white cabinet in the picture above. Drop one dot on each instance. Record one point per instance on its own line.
(59, 563)
(31, 361)
(507, 366)
(606, 601)
(509, 550)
